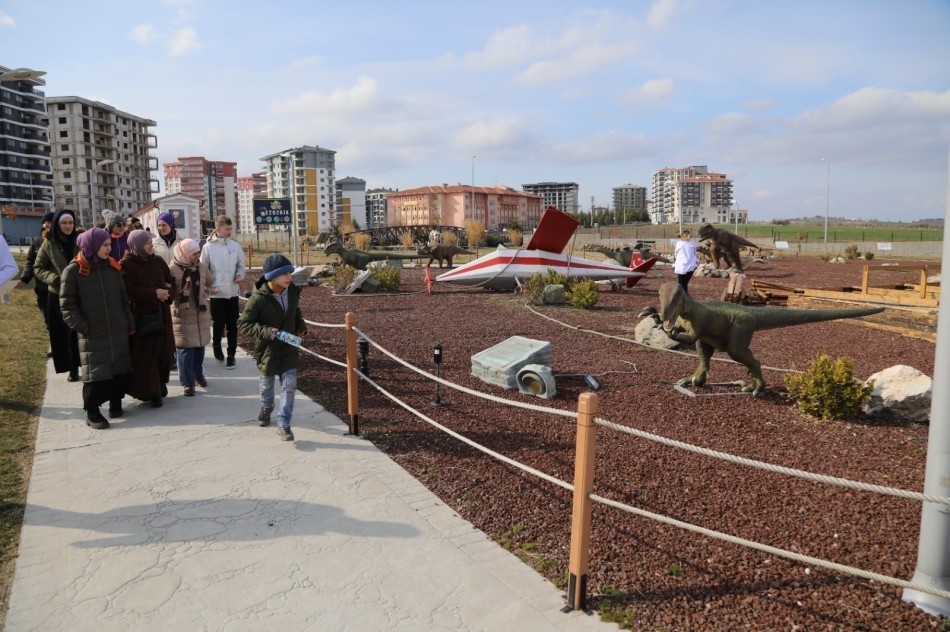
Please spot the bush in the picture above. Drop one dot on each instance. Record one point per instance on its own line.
(342, 278)
(362, 241)
(534, 286)
(474, 232)
(515, 237)
(584, 294)
(851, 252)
(828, 389)
(869, 255)
(389, 278)
(406, 240)
(450, 239)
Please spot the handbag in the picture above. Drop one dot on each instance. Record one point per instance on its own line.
(149, 324)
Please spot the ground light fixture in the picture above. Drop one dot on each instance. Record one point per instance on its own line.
(437, 349)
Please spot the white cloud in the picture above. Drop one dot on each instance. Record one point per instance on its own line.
(510, 47)
(732, 123)
(142, 34)
(652, 90)
(500, 134)
(661, 13)
(183, 41)
(761, 104)
(576, 63)
(877, 106)
(304, 62)
(599, 148)
(6, 20)
(362, 97)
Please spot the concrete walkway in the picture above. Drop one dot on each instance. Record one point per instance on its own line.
(191, 517)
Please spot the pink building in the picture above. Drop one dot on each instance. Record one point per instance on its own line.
(495, 207)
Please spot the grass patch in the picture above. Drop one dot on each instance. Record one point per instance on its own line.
(23, 356)
(613, 608)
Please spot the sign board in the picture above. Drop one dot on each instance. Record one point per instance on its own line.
(271, 211)
(179, 215)
(781, 245)
(884, 245)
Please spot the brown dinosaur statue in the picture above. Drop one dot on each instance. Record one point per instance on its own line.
(725, 245)
(624, 255)
(359, 259)
(718, 326)
(440, 253)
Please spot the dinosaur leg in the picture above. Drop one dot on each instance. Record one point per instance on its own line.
(745, 357)
(704, 353)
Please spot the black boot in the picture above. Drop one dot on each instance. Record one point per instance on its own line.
(95, 420)
(263, 419)
(115, 409)
(218, 354)
(73, 376)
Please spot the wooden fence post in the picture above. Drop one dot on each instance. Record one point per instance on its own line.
(352, 379)
(587, 407)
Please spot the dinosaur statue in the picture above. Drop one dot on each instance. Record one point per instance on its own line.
(725, 245)
(625, 254)
(718, 326)
(359, 259)
(440, 253)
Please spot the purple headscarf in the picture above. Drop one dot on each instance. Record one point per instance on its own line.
(137, 241)
(90, 242)
(168, 218)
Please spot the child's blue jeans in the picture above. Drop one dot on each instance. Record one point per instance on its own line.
(288, 389)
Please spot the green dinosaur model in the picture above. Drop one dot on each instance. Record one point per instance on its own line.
(359, 259)
(718, 326)
(624, 255)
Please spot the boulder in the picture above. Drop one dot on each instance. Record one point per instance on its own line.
(902, 390)
(554, 295)
(649, 332)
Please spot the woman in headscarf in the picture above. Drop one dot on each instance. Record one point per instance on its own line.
(118, 235)
(191, 316)
(151, 290)
(58, 249)
(95, 305)
(167, 237)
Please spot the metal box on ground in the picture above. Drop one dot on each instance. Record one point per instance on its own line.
(499, 365)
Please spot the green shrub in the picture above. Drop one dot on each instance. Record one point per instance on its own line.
(389, 278)
(583, 295)
(828, 389)
(342, 278)
(869, 255)
(534, 286)
(851, 252)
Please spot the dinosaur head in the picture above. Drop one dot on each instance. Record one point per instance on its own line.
(672, 302)
(423, 249)
(332, 247)
(706, 231)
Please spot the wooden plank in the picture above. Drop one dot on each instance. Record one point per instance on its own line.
(914, 322)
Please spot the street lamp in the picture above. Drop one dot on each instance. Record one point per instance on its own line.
(291, 177)
(827, 196)
(472, 210)
(737, 216)
(94, 184)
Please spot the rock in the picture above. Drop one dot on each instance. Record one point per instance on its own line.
(553, 295)
(902, 390)
(648, 332)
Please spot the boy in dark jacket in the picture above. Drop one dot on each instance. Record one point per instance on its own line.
(274, 307)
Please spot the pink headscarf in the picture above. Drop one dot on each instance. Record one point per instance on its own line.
(184, 249)
(137, 241)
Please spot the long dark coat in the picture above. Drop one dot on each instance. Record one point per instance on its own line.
(263, 313)
(54, 255)
(151, 353)
(95, 305)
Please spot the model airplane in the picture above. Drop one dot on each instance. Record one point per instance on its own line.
(508, 268)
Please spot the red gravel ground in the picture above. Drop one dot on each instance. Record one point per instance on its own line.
(647, 575)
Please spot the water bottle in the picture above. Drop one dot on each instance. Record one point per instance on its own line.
(289, 338)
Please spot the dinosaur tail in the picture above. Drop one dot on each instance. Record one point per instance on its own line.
(770, 317)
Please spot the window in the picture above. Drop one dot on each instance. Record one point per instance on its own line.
(62, 120)
(64, 134)
(65, 161)
(68, 188)
(64, 147)
(67, 174)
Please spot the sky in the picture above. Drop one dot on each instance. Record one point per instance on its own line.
(810, 107)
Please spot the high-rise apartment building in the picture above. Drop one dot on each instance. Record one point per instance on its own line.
(351, 201)
(213, 182)
(26, 188)
(629, 198)
(305, 175)
(249, 188)
(377, 207)
(691, 195)
(561, 195)
(100, 157)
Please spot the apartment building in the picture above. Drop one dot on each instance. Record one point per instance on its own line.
(212, 182)
(26, 186)
(101, 158)
(691, 195)
(377, 207)
(560, 195)
(249, 188)
(495, 207)
(306, 175)
(351, 201)
(630, 197)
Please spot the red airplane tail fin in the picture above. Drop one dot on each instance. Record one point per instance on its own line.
(637, 264)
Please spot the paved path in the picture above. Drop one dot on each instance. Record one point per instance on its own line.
(191, 517)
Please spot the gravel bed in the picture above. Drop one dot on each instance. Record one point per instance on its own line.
(655, 577)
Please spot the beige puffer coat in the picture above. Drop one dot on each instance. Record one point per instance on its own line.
(191, 323)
